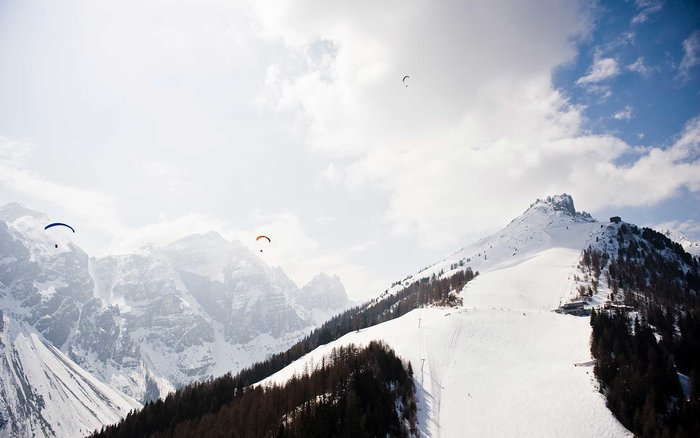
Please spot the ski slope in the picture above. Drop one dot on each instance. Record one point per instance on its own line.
(503, 364)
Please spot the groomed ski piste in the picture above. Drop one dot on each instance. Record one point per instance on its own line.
(503, 364)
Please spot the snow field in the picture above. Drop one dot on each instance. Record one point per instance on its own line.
(503, 365)
(61, 393)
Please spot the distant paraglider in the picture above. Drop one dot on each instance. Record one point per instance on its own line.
(59, 224)
(261, 237)
(404, 80)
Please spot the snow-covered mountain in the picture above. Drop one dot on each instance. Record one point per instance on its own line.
(44, 393)
(147, 322)
(690, 246)
(503, 363)
(324, 295)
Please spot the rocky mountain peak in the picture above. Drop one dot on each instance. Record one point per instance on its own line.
(561, 205)
(323, 291)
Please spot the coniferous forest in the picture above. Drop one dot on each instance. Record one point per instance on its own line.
(352, 393)
(191, 404)
(640, 354)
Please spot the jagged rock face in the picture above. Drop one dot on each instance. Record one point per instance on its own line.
(51, 287)
(152, 320)
(235, 287)
(323, 292)
(557, 206)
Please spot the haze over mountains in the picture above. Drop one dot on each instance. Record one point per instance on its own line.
(143, 323)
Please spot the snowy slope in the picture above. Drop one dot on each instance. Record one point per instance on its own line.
(503, 364)
(44, 393)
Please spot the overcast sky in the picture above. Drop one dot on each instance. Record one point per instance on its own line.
(145, 121)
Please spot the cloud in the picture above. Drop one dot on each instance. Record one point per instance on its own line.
(476, 135)
(646, 8)
(479, 132)
(163, 232)
(89, 208)
(690, 228)
(623, 114)
(601, 70)
(640, 67)
(331, 175)
(691, 54)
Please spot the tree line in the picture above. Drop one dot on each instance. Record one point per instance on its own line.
(353, 392)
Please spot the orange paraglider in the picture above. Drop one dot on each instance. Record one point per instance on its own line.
(261, 237)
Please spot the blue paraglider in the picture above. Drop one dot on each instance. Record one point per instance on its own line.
(56, 224)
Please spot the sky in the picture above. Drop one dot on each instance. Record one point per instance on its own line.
(146, 121)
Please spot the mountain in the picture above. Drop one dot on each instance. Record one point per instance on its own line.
(503, 362)
(148, 322)
(323, 295)
(44, 393)
(489, 354)
(690, 246)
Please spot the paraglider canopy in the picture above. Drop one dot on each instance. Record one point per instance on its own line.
(261, 237)
(57, 224)
(404, 79)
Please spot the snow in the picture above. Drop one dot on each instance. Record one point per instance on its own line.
(47, 393)
(8, 260)
(685, 384)
(48, 288)
(497, 371)
(503, 364)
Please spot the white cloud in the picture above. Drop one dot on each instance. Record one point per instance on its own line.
(601, 70)
(691, 54)
(474, 138)
(88, 208)
(623, 114)
(163, 232)
(646, 8)
(183, 102)
(639, 66)
(331, 174)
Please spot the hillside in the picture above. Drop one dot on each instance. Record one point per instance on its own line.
(489, 369)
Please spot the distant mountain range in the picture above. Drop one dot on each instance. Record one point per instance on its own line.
(143, 323)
